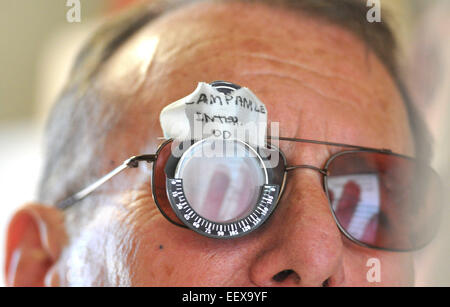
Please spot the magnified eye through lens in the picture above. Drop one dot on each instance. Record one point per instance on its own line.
(222, 180)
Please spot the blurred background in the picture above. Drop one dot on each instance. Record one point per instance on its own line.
(38, 45)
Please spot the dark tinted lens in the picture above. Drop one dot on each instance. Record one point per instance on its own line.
(383, 200)
(159, 184)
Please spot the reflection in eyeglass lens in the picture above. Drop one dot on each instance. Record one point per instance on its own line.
(356, 202)
(384, 200)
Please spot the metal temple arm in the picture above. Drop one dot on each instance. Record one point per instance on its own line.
(132, 162)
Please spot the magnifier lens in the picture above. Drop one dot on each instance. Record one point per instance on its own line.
(221, 183)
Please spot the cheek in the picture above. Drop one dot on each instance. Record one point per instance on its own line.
(365, 267)
(99, 252)
(167, 255)
(143, 248)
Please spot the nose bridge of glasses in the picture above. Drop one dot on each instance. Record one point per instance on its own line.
(305, 166)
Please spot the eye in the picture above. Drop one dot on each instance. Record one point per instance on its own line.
(221, 188)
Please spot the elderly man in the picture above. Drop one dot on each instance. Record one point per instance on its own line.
(323, 73)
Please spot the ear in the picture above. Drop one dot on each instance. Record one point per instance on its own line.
(36, 236)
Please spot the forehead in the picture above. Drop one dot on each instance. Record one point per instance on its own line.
(317, 80)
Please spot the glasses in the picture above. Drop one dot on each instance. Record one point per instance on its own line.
(227, 189)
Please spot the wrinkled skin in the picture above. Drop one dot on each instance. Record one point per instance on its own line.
(318, 80)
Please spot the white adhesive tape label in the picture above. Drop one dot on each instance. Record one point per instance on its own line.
(208, 112)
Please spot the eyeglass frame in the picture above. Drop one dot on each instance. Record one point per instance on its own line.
(133, 162)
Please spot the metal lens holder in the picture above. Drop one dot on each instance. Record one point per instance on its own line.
(267, 201)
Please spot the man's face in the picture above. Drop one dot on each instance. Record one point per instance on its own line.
(318, 81)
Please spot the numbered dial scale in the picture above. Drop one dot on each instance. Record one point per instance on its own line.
(223, 197)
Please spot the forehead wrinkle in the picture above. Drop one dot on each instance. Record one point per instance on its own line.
(301, 84)
(336, 74)
(187, 40)
(351, 107)
(299, 65)
(357, 107)
(252, 42)
(260, 48)
(332, 78)
(296, 32)
(178, 55)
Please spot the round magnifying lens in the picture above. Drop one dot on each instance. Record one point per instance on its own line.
(222, 180)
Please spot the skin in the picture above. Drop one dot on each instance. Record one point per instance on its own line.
(318, 80)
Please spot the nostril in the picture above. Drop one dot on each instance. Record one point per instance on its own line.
(283, 275)
(326, 283)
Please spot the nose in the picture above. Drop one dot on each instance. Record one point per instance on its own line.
(303, 245)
